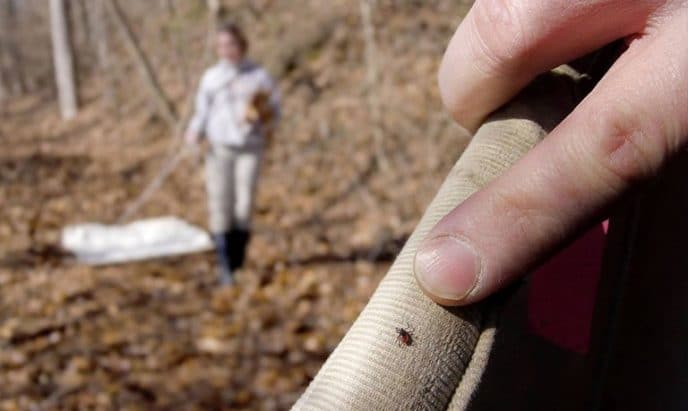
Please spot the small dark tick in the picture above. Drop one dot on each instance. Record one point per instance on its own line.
(405, 336)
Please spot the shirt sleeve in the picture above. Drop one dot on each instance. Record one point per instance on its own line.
(202, 107)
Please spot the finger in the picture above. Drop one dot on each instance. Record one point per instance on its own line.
(502, 45)
(623, 131)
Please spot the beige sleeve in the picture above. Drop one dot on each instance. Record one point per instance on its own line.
(370, 369)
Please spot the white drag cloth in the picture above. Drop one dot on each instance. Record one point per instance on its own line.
(97, 244)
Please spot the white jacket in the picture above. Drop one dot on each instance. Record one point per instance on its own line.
(223, 96)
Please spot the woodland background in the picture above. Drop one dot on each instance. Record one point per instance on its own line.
(361, 150)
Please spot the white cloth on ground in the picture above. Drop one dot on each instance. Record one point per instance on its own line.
(98, 244)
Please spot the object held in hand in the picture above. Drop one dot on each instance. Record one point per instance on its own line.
(259, 109)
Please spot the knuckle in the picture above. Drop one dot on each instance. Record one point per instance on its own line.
(628, 150)
(522, 214)
(498, 30)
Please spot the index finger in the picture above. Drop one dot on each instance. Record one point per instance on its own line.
(502, 45)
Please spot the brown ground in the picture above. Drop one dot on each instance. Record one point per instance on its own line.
(159, 335)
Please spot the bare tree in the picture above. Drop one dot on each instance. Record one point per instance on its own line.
(214, 7)
(372, 82)
(11, 59)
(101, 37)
(214, 11)
(162, 103)
(176, 32)
(3, 82)
(81, 15)
(63, 59)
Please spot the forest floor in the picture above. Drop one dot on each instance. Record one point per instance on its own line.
(161, 335)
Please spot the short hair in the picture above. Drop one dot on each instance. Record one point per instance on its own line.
(233, 30)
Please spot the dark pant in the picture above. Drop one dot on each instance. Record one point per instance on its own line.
(231, 251)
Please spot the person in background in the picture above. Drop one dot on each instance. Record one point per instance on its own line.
(237, 105)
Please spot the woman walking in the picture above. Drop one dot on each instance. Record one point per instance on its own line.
(237, 104)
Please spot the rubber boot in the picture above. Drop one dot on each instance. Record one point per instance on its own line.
(239, 239)
(224, 260)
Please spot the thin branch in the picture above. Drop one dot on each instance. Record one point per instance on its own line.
(162, 103)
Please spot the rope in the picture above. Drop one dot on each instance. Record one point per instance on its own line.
(169, 166)
(177, 155)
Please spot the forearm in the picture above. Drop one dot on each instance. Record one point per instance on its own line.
(197, 124)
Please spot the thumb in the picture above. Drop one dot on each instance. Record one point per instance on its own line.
(615, 137)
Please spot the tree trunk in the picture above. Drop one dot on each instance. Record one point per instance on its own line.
(372, 80)
(187, 108)
(81, 15)
(162, 104)
(63, 59)
(176, 35)
(11, 58)
(3, 83)
(4, 78)
(101, 37)
(214, 9)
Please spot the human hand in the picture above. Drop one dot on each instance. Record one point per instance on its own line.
(622, 132)
(192, 138)
(258, 110)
